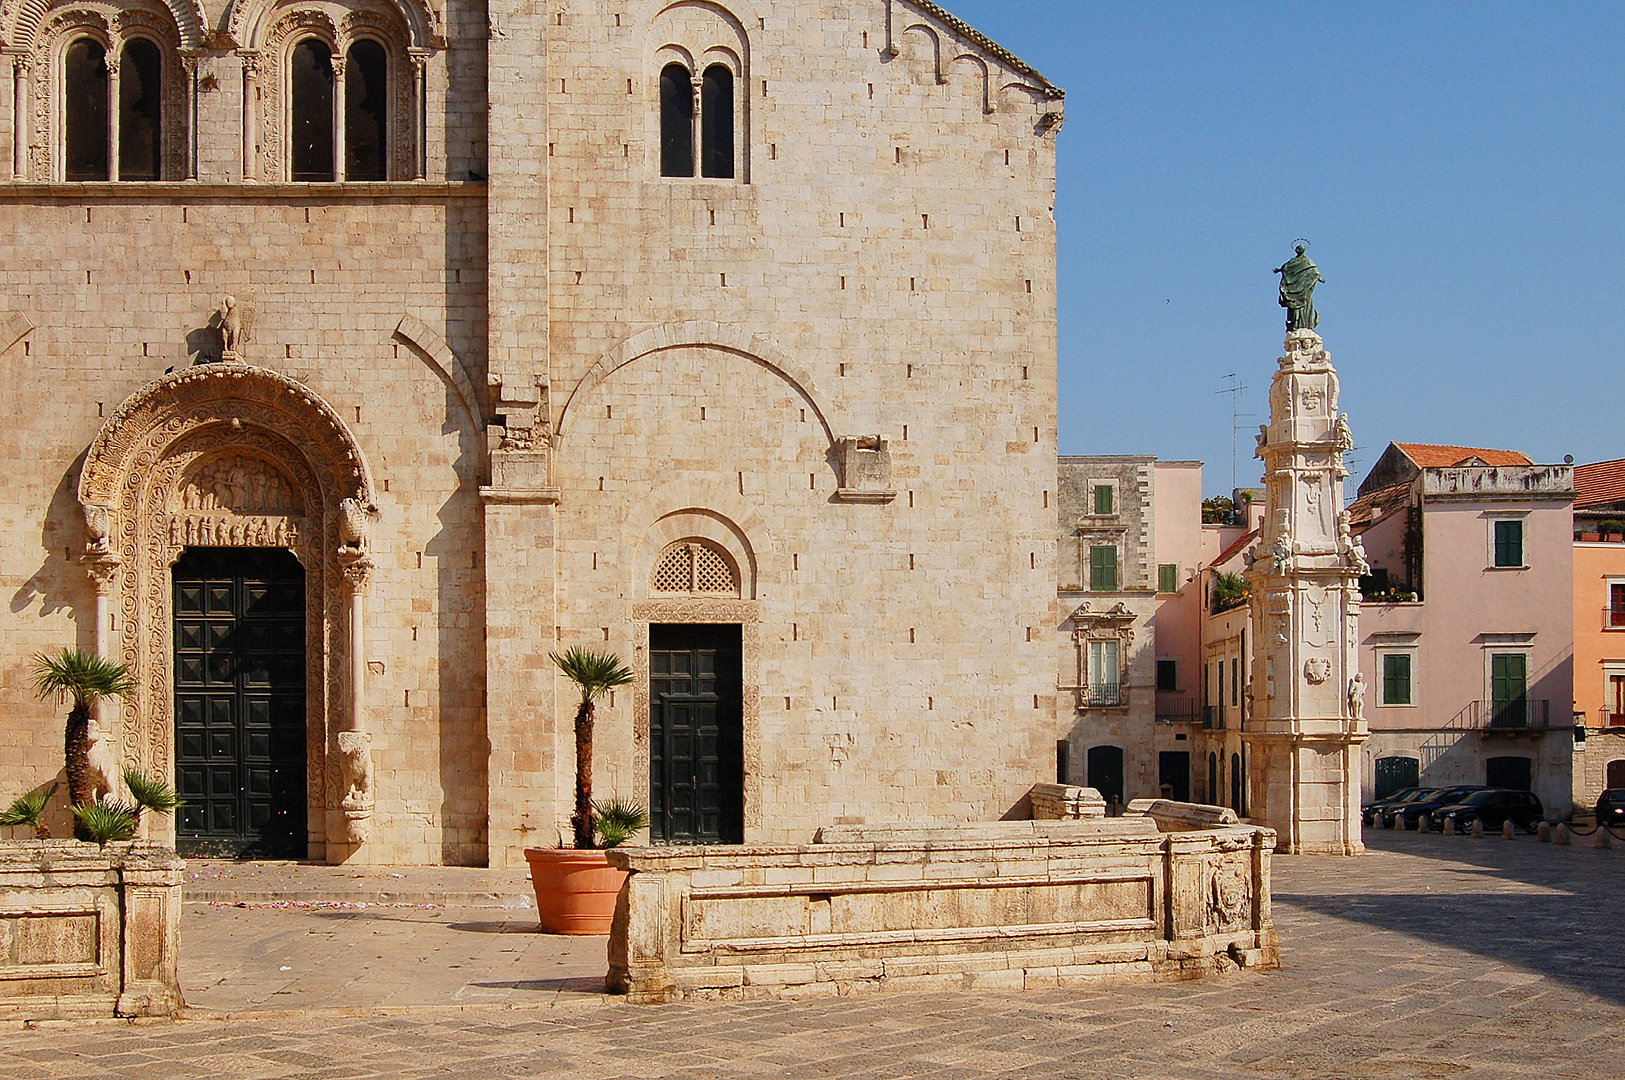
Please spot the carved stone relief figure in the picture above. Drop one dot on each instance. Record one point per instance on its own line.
(1316, 670)
(1357, 697)
(97, 529)
(238, 484)
(1230, 896)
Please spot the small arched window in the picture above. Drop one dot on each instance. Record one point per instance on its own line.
(84, 113)
(676, 121)
(310, 86)
(139, 106)
(717, 123)
(366, 112)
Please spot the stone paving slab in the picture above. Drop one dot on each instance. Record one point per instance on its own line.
(1430, 958)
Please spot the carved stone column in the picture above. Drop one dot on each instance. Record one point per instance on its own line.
(251, 75)
(189, 61)
(339, 133)
(420, 111)
(1304, 733)
(111, 60)
(354, 742)
(19, 117)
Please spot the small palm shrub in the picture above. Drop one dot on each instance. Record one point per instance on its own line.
(28, 811)
(107, 822)
(594, 674)
(618, 821)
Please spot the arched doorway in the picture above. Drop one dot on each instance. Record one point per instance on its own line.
(236, 459)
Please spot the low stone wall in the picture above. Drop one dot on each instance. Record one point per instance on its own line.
(87, 931)
(1065, 802)
(1010, 905)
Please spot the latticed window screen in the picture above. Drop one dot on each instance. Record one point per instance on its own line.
(692, 567)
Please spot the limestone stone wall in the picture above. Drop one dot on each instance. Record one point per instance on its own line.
(551, 360)
(120, 287)
(887, 269)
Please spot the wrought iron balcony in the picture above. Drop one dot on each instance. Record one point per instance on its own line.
(1173, 709)
(1102, 695)
(1518, 714)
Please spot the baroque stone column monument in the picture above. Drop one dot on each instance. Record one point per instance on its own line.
(1304, 733)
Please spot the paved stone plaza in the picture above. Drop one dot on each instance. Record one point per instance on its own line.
(1430, 957)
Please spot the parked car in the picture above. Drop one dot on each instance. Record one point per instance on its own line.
(1407, 815)
(1611, 807)
(1370, 811)
(1494, 807)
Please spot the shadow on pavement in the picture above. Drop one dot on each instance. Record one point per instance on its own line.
(1542, 908)
(581, 984)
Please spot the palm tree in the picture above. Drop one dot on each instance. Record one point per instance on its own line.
(86, 678)
(594, 675)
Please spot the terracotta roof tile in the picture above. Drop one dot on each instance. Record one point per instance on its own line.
(1600, 483)
(1235, 549)
(1429, 456)
(1374, 505)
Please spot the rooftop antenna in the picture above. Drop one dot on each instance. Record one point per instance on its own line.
(1235, 390)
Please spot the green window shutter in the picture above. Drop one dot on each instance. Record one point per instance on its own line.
(1509, 543)
(1167, 578)
(1396, 679)
(1103, 499)
(1103, 569)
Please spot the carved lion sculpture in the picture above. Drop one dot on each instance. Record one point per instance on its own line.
(355, 523)
(98, 527)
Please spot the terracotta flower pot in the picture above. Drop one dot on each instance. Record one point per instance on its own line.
(575, 890)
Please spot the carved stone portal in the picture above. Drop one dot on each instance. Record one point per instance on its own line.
(227, 455)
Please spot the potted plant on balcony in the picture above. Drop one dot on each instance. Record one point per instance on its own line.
(576, 887)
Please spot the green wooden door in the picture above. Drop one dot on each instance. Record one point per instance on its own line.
(1397, 774)
(240, 703)
(696, 745)
(1509, 690)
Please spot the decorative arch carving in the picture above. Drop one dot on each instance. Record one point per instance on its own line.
(45, 29)
(247, 22)
(283, 25)
(933, 41)
(228, 455)
(20, 19)
(697, 34)
(978, 65)
(731, 339)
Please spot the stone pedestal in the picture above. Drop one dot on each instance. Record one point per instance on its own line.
(1305, 726)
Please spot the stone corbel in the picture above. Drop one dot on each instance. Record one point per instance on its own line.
(865, 464)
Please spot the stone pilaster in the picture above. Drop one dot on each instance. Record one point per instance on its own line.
(1305, 729)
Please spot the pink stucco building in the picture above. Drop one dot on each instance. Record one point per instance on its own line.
(1599, 629)
(1467, 630)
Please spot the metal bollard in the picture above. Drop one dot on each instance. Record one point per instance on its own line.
(1478, 827)
(1506, 829)
(1562, 836)
(1543, 832)
(1603, 839)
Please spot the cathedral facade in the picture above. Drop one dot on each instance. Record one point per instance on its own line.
(361, 353)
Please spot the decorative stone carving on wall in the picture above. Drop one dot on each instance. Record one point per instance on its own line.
(1316, 670)
(356, 781)
(239, 484)
(865, 464)
(206, 435)
(1230, 896)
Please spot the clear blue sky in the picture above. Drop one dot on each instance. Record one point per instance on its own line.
(1458, 167)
